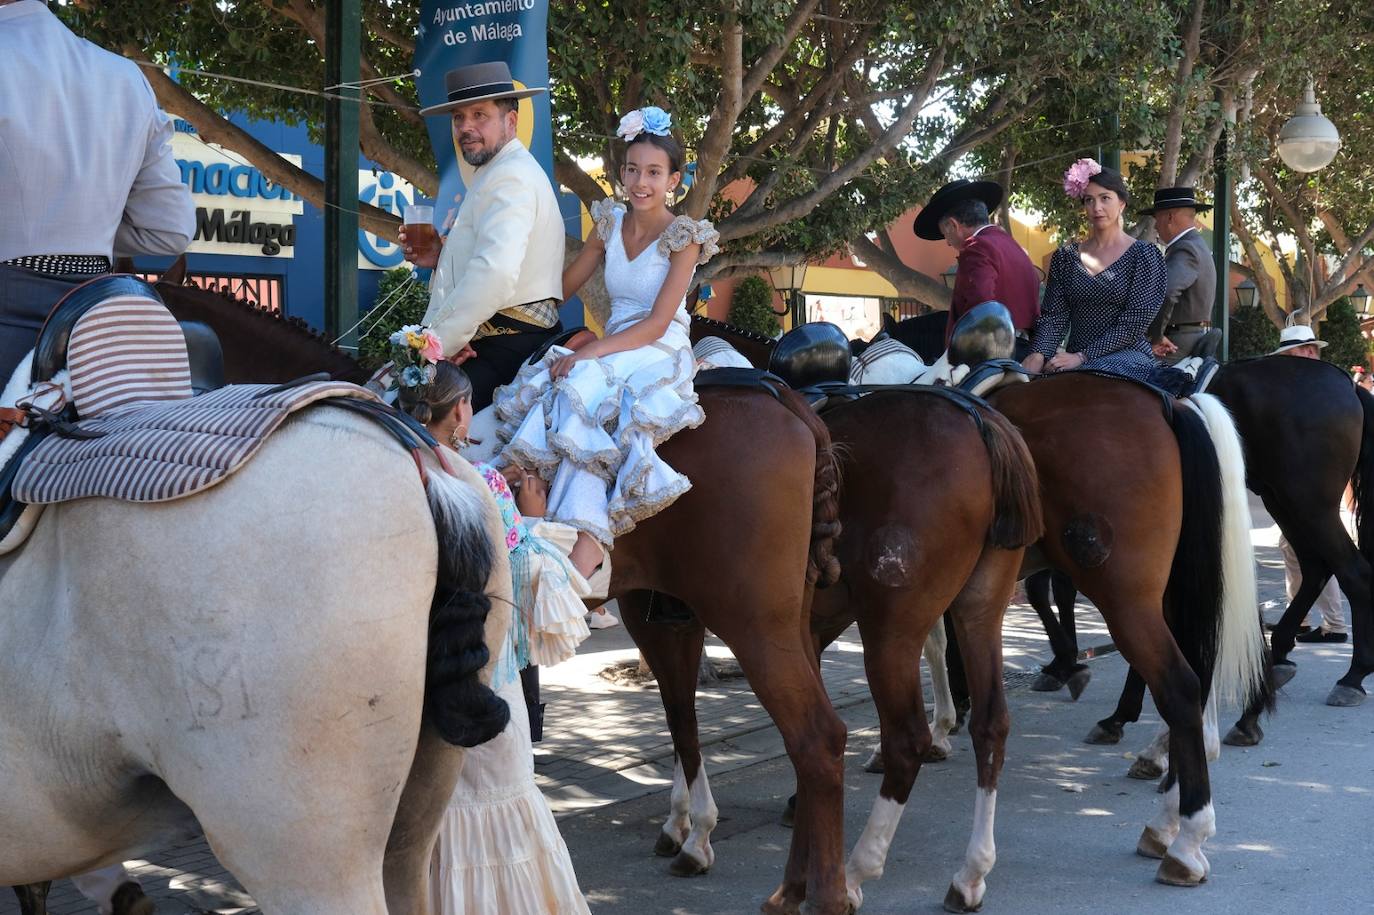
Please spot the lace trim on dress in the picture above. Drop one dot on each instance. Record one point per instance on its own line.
(684, 231)
(603, 215)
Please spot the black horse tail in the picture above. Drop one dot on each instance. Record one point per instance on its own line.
(462, 709)
(1211, 594)
(1362, 483)
(822, 565)
(1017, 519)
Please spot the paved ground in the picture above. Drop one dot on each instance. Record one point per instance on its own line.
(1068, 818)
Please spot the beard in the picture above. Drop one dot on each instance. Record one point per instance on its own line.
(479, 157)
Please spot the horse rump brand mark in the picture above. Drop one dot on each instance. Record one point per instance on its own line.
(210, 667)
(890, 555)
(1088, 539)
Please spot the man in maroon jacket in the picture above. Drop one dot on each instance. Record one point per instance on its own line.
(992, 266)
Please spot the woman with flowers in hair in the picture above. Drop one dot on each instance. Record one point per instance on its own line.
(1102, 292)
(589, 421)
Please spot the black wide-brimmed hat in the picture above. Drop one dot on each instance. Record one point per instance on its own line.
(477, 83)
(1172, 198)
(927, 224)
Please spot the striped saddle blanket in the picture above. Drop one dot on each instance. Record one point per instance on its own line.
(163, 450)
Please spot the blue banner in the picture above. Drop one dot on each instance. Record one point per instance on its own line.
(455, 34)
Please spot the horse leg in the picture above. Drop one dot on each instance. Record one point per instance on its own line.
(674, 652)
(1153, 761)
(1054, 674)
(1110, 729)
(977, 613)
(945, 720)
(789, 687)
(33, 898)
(958, 681)
(1186, 819)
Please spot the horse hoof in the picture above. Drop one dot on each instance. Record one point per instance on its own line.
(954, 901)
(781, 903)
(937, 752)
(1345, 696)
(1104, 733)
(666, 846)
(875, 763)
(1079, 682)
(1151, 844)
(684, 865)
(1145, 769)
(1283, 672)
(1174, 872)
(1047, 682)
(1243, 736)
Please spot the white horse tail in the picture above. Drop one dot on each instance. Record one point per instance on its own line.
(463, 710)
(1241, 670)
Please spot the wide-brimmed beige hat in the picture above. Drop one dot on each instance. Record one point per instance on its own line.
(477, 83)
(1297, 335)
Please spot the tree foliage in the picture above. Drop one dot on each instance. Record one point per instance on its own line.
(1252, 334)
(751, 308)
(1346, 346)
(401, 300)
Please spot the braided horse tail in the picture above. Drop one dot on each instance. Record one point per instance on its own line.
(822, 565)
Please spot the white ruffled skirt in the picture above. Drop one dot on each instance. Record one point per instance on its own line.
(499, 850)
(593, 433)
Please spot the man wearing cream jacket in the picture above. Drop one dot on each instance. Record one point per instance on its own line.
(499, 276)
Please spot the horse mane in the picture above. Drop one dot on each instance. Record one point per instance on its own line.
(728, 328)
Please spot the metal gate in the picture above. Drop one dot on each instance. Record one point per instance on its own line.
(265, 291)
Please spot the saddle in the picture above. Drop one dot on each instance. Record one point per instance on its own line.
(129, 404)
(811, 354)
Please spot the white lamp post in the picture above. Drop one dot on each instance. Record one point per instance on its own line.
(1309, 141)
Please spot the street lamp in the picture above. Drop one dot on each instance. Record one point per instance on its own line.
(1247, 293)
(949, 275)
(1360, 299)
(791, 277)
(1309, 141)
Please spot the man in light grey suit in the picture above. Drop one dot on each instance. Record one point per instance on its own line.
(1185, 318)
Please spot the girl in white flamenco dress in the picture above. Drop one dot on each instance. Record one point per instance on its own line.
(589, 420)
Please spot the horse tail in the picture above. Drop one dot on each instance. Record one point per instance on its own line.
(822, 565)
(1212, 589)
(1362, 483)
(1017, 519)
(462, 709)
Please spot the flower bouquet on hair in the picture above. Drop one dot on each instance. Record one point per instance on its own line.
(415, 350)
(1078, 175)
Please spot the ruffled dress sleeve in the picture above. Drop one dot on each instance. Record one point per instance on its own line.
(604, 214)
(684, 231)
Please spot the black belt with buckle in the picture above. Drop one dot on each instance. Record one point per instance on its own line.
(1187, 325)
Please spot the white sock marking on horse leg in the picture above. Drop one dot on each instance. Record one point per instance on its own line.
(1158, 750)
(1193, 831)
(982, 850)
(679, 822)
(870, 853)
(1165, 823)
(1211, 737)
(704, 818)
(936, 644)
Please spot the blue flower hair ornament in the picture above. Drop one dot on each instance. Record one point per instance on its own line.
(650, 119)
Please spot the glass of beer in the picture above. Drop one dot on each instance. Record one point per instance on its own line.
(420, 232)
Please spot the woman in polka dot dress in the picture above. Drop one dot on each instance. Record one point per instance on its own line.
(1103, 291)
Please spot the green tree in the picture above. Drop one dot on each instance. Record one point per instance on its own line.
(1346, 346)
(401, 300)
(751, 308)
(1252, 333)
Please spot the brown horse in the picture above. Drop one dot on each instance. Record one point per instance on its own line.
(1306, 432)
(1132, 494)
(784, 482)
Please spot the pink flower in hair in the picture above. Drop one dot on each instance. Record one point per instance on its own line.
(433, 349)
(1079, 174)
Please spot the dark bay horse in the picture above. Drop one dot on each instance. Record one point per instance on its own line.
(761, 515)
(1307, 432)
(1135, 505)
